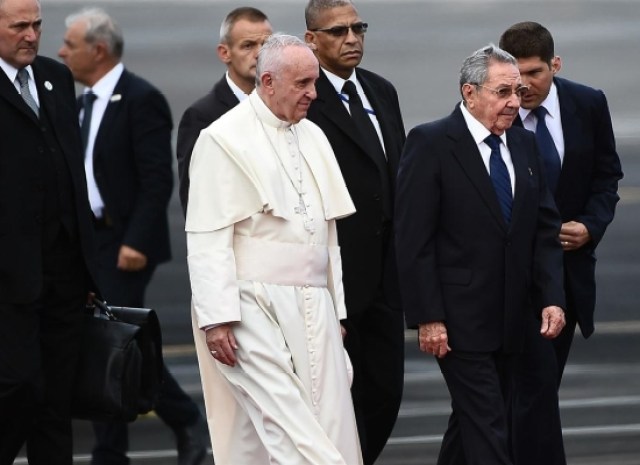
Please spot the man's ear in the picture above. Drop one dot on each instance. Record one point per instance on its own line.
(266, 80)
(223, 53)
(310, 39)
(556, 64)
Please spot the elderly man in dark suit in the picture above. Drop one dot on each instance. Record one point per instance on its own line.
(46, 250)
(573, 127)
(360, 115)
(126, 128)
(478, 251)
(242, 33)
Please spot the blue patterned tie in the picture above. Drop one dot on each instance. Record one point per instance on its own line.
(500, 177)
(548, 149)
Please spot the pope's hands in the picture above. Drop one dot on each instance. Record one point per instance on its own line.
(222, 344)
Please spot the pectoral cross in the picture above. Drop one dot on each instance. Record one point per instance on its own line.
(301, 209)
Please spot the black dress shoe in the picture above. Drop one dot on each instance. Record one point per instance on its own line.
(193, 443)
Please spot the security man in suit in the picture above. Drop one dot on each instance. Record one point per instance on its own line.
(46, 247)
(126, 127)
(242, 33)
(573, 127)
(478, 251)
(360, 115)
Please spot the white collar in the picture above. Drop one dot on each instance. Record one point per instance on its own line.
(107, 83)
(11, 71)
(478, 131)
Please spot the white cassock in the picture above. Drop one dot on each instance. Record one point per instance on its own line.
(259, 257)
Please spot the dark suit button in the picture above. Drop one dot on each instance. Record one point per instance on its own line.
(376, 196)
(40, 149)
(43, 128)
(378, 232)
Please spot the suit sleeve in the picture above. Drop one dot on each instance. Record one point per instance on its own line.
(416, 221)
(603, 196)
(192, 122)
(151, 140)
(548, 274)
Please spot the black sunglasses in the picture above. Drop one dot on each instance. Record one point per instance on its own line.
(340, 31)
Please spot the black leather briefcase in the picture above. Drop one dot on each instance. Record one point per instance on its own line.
(120, 368)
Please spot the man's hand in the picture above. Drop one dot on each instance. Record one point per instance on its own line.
(433, 338)
(552, 322)
(573, 235)
(130, 259)
(222, 344)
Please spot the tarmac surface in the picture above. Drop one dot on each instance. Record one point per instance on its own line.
(419, 46)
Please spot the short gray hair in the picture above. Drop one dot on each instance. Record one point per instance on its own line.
(270, 54)
(100, 28)
(315, 7)
(475, 67)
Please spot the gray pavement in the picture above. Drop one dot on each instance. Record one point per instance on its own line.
(419, 45)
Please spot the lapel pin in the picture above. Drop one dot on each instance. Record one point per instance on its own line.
(115, 98)
(48, 85)
(530, 172)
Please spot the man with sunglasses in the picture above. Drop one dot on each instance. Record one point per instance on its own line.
(583, 172)
(360, 115)
(477, 252)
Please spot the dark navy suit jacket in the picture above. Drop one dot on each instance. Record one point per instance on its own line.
(458, 261)
(587, 187)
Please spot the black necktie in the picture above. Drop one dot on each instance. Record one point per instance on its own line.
(500, 177)
(87, 104)
(370, 138)
(548, 149)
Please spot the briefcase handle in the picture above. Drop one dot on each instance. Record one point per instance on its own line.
(102, 308)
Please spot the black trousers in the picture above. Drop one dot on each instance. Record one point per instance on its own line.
(39, 345)
(174, 406)
(537, 429)
(480, 385)
(375, 344)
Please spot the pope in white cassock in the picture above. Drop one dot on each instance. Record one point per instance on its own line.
(266, 275)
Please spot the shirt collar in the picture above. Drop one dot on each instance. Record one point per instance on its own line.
(477, 129)
(551, 103)
(337, 82)
(237, 91)
(107, 83)
(12, 72)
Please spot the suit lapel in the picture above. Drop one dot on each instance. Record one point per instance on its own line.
(523, 171)
(224, 95)
(572, 131)
(466, 151)
(333, 109)
(111, 112)
(10, 93)
(378, 105)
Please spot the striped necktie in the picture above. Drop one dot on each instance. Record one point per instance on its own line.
(25, 93)
(500, 177)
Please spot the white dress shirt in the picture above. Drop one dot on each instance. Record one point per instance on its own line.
(103, 89)
(338, 83)
(479, 134)
(553, 120)
(12, 74)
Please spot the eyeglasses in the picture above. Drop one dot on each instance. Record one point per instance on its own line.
(506, 92)
(341, 31)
